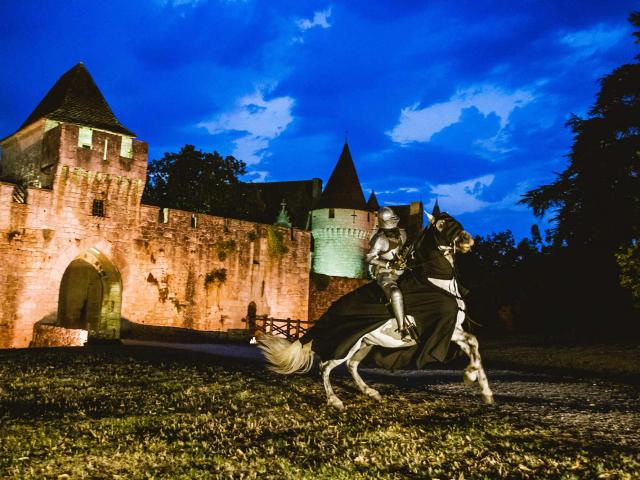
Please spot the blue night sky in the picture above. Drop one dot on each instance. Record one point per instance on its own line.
(465, 101)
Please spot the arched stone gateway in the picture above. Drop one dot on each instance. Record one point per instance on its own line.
(91, 295)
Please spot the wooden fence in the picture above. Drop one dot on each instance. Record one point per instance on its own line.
(291, 329)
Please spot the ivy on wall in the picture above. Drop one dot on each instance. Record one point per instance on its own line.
(217, 276)
(225, 248)
(275, 242)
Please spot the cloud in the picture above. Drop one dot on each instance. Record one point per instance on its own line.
(463, 197)
(420, 124)
(597, 38)
(397, 190)
(259, 175)
(320, 19)
(261, 120)
(179, 3)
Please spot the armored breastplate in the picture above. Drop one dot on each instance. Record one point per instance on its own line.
(394, 244)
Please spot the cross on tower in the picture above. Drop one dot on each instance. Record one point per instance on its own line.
(354, 216)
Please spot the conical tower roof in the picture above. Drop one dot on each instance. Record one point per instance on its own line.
(343, 189)
(75, 98)
(372, 203)
(436, 209)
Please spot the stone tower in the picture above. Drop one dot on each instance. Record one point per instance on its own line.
(73, 167)
(341, 223)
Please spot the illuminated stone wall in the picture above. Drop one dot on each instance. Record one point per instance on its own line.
(194, 271)
(30, 155)
(53, 336)
(341, 242)
(325, 290)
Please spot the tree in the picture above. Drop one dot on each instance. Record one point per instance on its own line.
(628, 259)
(597, 203)
(598, 196)
(200, 182)
(504, 282)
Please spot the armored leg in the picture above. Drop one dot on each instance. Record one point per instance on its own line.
(397, 304)
(387, 282)
(407, 331)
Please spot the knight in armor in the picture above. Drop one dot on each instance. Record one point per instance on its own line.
(384, 246)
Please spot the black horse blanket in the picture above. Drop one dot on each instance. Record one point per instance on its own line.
(366, 308)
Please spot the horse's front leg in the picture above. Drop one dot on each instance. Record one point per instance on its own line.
(325, 371)
(352, 365)
(474, 372)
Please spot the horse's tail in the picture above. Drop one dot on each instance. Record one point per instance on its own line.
(284, 356)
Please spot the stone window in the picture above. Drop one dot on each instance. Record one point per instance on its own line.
(194, 221)
(20, 193)
(332, 213)
(85, 136)
(126, 147)
(163, 216)
(97, 209)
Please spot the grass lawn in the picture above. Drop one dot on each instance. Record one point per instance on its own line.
(138, 412)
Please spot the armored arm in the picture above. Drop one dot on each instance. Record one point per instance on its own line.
(377, 246)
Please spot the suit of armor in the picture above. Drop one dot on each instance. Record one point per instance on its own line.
(383, 248)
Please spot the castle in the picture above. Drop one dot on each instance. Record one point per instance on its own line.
(79, 252)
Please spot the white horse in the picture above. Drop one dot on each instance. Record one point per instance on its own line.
(285, 357)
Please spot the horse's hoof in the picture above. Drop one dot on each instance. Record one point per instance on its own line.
(373, 394)
(335, 402)
(487, 398)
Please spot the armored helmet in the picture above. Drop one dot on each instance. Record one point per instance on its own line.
(387, 218)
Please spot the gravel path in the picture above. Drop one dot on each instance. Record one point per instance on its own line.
(579, 407)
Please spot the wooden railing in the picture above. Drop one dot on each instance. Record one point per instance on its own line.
(291, 329)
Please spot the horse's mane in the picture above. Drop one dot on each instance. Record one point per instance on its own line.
(429, 232)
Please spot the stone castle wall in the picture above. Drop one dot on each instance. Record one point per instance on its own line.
(45, 335)
(324, 290)
(194, 271)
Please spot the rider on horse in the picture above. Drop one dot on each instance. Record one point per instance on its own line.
(384, 247)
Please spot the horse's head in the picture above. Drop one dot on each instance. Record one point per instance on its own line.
(448, 233)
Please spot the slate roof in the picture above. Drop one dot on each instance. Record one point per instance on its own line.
(75, 98)
(372, 203)
(300, 196)
(343, 189)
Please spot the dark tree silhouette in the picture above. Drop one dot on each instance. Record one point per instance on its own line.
(200, 182)
(596, 203)
(598, 196)
(505, 281)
